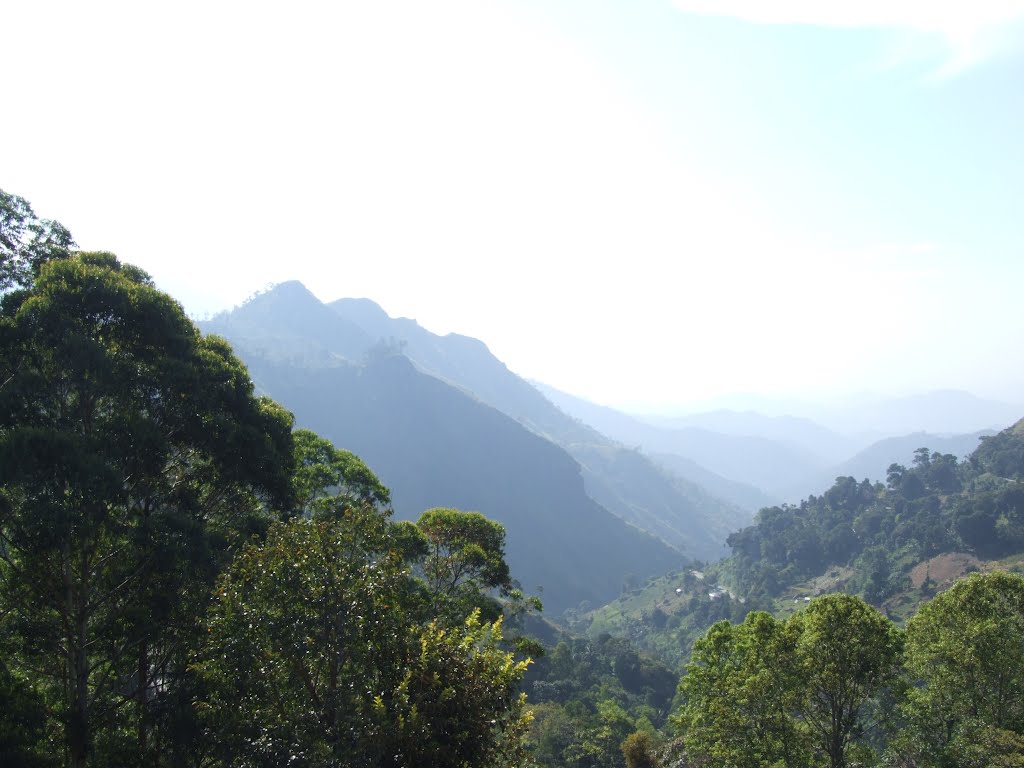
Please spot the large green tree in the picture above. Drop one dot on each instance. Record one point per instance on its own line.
(133, 453)
(306, 630)
(315, 658)
(848, 653)
(742, 691)
(965, 654)
(464, 561)
(788, 693)
(329, 480)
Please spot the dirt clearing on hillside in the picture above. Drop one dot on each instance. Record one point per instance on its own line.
(943, 570)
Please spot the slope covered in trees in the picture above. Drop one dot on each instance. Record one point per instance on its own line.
(895, 544)
(937, 505)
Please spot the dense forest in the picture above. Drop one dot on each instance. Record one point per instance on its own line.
(937, 505)
(187, 579)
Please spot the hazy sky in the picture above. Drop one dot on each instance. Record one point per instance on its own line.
(640, 201)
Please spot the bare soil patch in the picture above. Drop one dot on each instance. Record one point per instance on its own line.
(944, 569)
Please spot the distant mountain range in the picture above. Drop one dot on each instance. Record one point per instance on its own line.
(768, 465)
(866, 417)
(749, 458)
(591, 497)
(444, 423)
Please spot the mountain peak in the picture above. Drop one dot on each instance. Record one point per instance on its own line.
(288, 289)
(360, 309)
(292, 315)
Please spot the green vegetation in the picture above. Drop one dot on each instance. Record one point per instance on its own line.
(187, 580)
(834, 686)
(184, 580)
(967, 645)
(588, 696)
(938, 505)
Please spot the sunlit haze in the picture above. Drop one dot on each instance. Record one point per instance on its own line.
(643, 203)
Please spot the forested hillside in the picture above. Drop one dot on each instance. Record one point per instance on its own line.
(895, 544)
(937, 505)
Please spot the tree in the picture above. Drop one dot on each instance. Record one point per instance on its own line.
(741, 692)
(965, 653)
(638, 750)
(314, 659)
(328, 480)
(133, 450)
(465, 556)
(848, 653)
(306, 627)
(770, 692)
(22, 723)
(457, 704)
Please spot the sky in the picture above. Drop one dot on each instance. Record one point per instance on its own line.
(646, 203)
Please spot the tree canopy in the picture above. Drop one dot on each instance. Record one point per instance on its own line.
(184, 580)
(132, 449)
(965, 654)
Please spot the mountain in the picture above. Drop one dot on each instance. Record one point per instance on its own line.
(864, 417)
(435, 444)
(290, 324)
(804, 433)
(621, 479)
(742, 495)
(770, 466)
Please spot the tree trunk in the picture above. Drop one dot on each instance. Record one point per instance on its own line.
(140, 699)
(78, 709)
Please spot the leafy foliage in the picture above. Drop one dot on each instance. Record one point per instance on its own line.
(589, 696)
(741, 690)
(300, 635)
(133, 450)
(837, 685)
(769, 692)
(27, 242)
(328, 480)
(848, 654)
(965, 651)
(465, 558)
